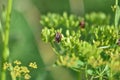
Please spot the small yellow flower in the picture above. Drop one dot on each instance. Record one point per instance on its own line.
(33, 65)
(27, 76)
(17, 62)
(114, 8)
(6, 65)
(16, 68)
(68, 61)
(16, 71)
(24, 69)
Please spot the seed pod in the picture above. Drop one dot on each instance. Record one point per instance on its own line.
(58, 37)
(82, 24)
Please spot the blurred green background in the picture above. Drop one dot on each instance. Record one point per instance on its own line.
(25, 43)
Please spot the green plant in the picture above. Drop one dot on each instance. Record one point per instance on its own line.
(88, 43)
(17, 70)
(5, 37)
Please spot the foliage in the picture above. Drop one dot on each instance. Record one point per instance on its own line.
(90, 46)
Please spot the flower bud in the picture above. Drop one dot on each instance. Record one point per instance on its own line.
(118, 43)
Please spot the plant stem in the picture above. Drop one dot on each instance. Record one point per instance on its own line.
(5, 53)
(79, 75)
(91, 77)
(100, 77)
(117, 17)
(111, 75)
(116, 13)
(86, 75)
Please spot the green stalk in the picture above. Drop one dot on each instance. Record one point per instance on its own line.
(116, 13)
(86, 75)
(6, 33)
(92, 77)
(117, 17)
(111, 76)
(5, 54)
(12, 74)
(79, 75)
(100, 77)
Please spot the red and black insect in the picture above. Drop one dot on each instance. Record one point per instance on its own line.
(82, 24)
(58, 37)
